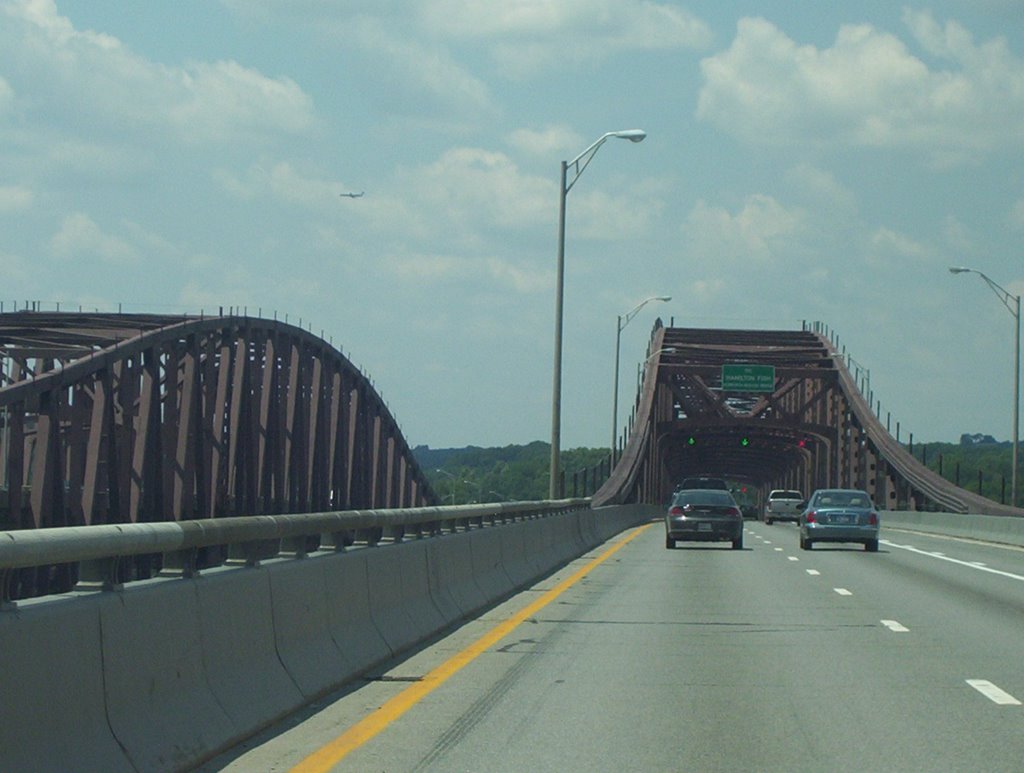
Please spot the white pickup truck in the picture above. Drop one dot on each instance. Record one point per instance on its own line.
(783, 505)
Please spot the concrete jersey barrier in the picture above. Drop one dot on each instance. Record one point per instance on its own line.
(1006, 529)
(163, 674)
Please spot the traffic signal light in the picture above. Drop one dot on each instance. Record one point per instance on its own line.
(691, 441)
(744, 441)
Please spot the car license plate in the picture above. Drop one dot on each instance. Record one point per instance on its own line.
(703, 527)
(840, 520)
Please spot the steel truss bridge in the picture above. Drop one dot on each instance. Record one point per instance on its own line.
(128, 418)
(131, 418)
(810, 428)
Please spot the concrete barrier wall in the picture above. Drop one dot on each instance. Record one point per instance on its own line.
(450, 564)
(166, 673)
(305, 646)
(237, 626)
(159, 703)
(992, 528)
(53, 712)
(348, 610)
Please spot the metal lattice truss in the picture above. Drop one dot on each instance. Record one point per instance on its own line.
(812, 427)
(131, 418)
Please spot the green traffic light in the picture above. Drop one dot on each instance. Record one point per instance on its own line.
(745, 442)
(691, 441)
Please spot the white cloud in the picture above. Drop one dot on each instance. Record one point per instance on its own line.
(541, 31)
(103, 83)
(887, 243)
(283, 182)
(576, 31)
(477, 188)
(1016, 217)
(414, 69)
(6, 95)
(867, 90)
(518, 278)
(552, 139)
(762, 230)
(609, 24)
(474, 188)
(219, 100)
(956, 235)
(821, 187)
(707, 289)
(415, 268)
(418, 268)
(14, 267)
(80, 237)
(15, 198)
(637, 23)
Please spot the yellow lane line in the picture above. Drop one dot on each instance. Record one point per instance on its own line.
(333, 752)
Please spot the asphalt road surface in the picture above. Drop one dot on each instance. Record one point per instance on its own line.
(703, 659)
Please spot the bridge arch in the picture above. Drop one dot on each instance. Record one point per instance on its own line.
(112, 418)
(805, 424)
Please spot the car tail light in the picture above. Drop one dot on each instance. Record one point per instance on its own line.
(676, 510)
(812, 517)
(872, 518)
(733, 511)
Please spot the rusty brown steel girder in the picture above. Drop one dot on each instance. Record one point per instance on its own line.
(131, 418)
(813, 429)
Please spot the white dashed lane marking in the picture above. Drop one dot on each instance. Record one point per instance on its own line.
(843, 591)
(943, 557)
(993, 693)
(895, 626)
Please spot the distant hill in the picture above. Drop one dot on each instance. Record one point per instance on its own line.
(520, 473)
(506, 473)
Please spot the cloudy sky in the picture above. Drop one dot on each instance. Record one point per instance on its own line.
(804, 161)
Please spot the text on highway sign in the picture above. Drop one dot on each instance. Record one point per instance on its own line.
(748, 378)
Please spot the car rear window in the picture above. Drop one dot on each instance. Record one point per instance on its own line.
(704, 497)
(785, 495)
(843, 499)
(705, 483)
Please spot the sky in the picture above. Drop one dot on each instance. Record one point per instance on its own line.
(804, 161)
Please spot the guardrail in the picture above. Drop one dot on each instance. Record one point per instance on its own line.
(99, 553)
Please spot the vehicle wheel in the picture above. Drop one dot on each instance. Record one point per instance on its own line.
(670, 543)
(737, 544)
(767, 521)
(871, 546)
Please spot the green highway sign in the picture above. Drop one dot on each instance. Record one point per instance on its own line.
(748, 378)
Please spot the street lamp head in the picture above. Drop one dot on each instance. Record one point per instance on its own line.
(959, 270)
(663, 298)
(633, 135)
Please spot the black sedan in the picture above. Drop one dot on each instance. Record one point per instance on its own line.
(704, 515)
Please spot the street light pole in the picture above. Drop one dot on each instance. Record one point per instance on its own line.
(454, 480)
(620, 325)
(578, 164)
(1012, 303)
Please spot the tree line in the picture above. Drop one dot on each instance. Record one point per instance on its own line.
(502, 474)
(982, 467)
(520, 472)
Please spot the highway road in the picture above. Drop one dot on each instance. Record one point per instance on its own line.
(638, 658)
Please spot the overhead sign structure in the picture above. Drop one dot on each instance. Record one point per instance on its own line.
(748, 378)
